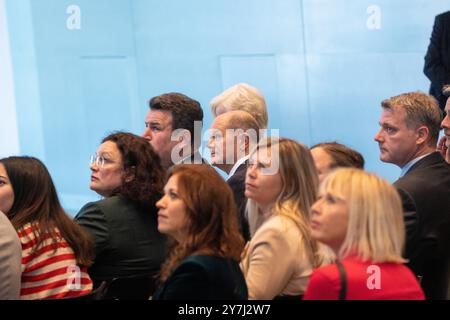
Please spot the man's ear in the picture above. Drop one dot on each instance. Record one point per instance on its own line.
(244, 142)
(423, 134)
(182, 146)
(183, 138)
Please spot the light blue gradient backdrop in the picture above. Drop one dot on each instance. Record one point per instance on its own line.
(321, 69)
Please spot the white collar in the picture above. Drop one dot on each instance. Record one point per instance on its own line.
(408, 166)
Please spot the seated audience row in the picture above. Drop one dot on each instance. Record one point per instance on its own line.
(198, 212)
(273, 188)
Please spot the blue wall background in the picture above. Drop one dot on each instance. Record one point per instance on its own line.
(322, 70)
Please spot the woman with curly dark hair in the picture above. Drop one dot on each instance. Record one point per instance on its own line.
(198, 211)
(128, 174)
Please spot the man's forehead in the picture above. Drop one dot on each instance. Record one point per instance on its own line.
(159, 116)
(390, 115)
(219, 124)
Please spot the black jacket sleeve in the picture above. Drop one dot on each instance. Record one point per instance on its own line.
(188, 282)
(410, 218)
(92, 218)
(435, 69)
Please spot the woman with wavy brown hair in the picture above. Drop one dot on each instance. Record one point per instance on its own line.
(128, 174)
(198, 211)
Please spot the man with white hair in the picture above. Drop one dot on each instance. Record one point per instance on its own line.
(244, 97)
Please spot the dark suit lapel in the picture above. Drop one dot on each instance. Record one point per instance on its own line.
(429, 160)
(242, 169)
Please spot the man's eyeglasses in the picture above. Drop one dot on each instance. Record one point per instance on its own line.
(99, 161)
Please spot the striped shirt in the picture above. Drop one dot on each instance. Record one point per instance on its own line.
(50, 274)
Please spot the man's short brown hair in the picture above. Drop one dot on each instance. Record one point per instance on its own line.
(421, 110)
(184, 110)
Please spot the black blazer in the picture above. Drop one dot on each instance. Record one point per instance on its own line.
(237, 184)
(437, 59)
(425, 192)
(204, 278)
(126, 237)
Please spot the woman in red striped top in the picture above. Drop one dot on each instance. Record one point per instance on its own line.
(55, 250)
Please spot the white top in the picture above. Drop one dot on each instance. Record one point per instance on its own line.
(275, 260)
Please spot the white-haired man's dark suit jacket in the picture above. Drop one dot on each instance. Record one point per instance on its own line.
(237, 184)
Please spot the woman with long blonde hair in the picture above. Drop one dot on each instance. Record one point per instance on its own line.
(281, 185)
(359, 216)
